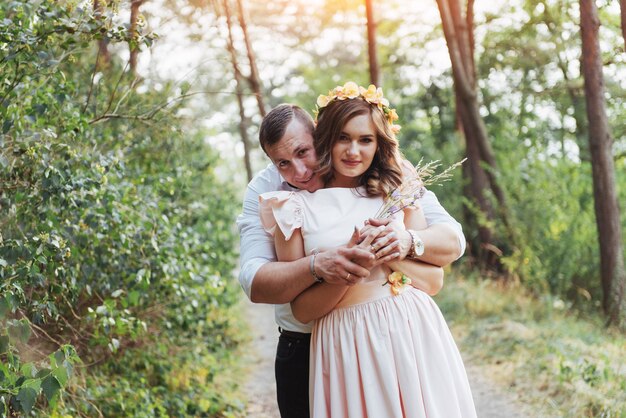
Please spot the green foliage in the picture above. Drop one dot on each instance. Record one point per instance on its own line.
(116, 238)
(559, 363)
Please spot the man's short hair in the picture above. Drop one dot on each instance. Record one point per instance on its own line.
(276, 121)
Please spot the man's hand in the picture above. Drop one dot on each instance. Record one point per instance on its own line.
(353, 262)
(343, 265)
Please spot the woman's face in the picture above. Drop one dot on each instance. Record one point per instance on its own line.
(354, 151)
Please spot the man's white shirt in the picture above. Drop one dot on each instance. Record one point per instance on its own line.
(257, 246)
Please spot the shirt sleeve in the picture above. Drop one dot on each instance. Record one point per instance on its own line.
(436, 214)
(256, 245)
(282, 209)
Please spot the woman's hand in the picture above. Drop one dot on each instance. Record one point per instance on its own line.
(392, 243)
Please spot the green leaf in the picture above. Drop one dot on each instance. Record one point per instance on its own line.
(34, 384)
(27, 397)
(28, 369)
(59, 356)
(61, 375)
(133, 297)
(50, 387)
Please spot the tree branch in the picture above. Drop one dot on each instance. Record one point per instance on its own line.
(146, 116)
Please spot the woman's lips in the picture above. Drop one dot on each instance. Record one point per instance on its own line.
(350, 163)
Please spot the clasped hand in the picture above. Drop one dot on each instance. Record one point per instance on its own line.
(378, 242)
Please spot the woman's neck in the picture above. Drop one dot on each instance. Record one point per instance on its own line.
(344, 182)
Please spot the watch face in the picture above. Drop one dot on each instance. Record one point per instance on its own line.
(419, 247)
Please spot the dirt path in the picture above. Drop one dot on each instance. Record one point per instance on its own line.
(260, 385)
(491, 401)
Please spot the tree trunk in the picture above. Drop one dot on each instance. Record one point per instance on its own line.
(134, 50)
(253, 79)
(603, 169)
(104, 56)
(371, 43)
(459, 38)
(239, 91)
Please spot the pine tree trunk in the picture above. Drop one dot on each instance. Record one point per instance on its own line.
(104, 56)
(253, 79)
(603, 169)
(459, 38)
(243, 129)
(134, 50)
(371, 44)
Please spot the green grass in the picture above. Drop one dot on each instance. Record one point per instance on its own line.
(561, 363)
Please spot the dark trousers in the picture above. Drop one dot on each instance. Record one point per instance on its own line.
(292, 374)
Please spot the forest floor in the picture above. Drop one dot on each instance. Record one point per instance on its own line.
(492, 400)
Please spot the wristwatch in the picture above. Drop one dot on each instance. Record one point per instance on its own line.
(417, 245)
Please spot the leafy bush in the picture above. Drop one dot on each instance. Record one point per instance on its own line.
(116, 237)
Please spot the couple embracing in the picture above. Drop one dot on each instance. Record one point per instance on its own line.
(360, 335)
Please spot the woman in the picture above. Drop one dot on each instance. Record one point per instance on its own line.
(373, 353)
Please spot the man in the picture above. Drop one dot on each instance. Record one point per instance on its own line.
(286, 136)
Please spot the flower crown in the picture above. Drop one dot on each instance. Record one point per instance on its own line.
(372, 95)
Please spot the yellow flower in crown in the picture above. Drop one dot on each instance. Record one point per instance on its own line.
(322, 101)
(351, 90)
(375, 96)
(371, 94)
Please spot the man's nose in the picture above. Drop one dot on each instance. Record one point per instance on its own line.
(301, 169)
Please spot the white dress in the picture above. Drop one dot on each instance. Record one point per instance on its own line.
(375, 355)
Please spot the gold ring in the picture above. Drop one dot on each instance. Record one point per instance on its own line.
(348, 276)
(372, 249)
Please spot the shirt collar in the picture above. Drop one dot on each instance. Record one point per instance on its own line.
(288, 187)
(283, 183)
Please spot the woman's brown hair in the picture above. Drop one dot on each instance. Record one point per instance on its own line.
(385, 173)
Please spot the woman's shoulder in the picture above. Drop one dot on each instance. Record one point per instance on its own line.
(408, 169)
(282, 209)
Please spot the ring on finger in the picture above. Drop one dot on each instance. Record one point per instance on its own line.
(348, 276)
(373, 249)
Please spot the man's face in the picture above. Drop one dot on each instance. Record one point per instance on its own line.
(295, 158)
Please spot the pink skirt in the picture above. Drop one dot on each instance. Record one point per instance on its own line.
(385, 358)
